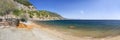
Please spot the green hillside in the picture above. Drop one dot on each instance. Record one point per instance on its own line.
(37, 14)
(43, 13)
(9, 6)
(24, 2)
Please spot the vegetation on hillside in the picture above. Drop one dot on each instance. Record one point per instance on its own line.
(43, 13)
(6, 6)
(36, 14)
(17, 12)
(24, 2)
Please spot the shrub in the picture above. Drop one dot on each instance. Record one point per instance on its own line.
(24, 2)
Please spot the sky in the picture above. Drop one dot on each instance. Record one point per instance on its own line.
(81, 9)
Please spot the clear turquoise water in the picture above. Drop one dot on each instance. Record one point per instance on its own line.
(100, 28)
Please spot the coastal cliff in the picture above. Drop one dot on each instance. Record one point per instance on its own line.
(24, 9)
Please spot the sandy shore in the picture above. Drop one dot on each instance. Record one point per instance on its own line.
(37, 32)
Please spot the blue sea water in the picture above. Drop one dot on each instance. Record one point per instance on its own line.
(103, 27)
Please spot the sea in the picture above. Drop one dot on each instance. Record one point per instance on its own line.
(83, 28)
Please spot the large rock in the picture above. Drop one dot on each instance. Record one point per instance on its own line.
(13, 21)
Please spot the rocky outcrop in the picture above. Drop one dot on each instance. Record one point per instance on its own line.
(23, 9)
(20, 9)
(9, 22)
(32, 13)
